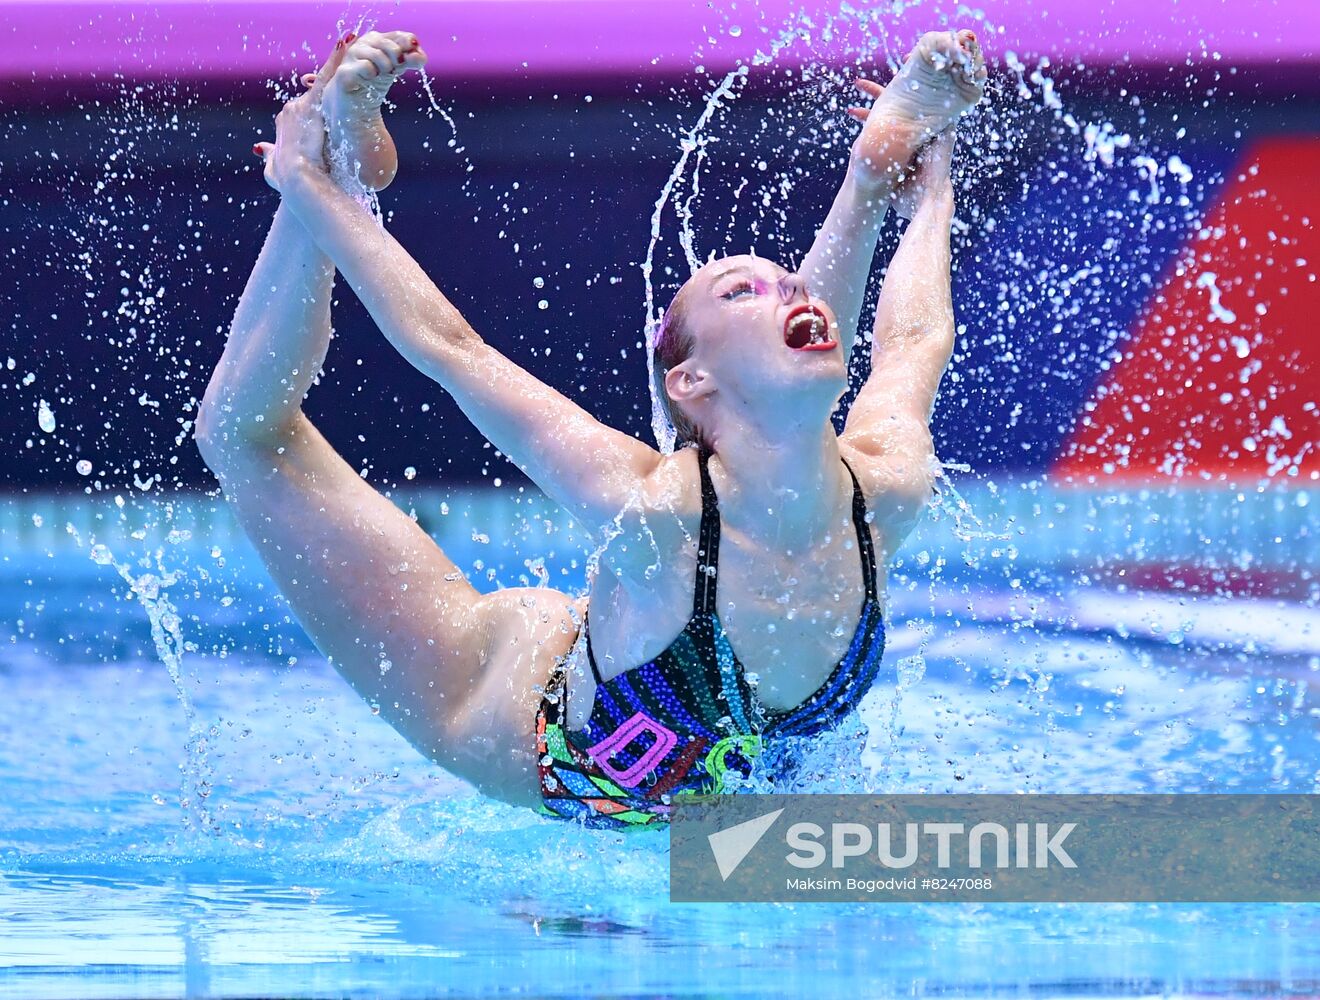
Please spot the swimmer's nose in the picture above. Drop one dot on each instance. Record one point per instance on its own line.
(791, 287)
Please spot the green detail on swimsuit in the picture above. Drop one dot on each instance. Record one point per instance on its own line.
(555, 745)
(634, 818)
(607, 786)
(749, 747)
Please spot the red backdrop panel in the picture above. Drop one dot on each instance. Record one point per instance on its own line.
(1218, 379)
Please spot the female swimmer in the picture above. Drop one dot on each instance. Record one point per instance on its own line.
(739, 593)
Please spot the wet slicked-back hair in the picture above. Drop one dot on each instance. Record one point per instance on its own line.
(673, 345)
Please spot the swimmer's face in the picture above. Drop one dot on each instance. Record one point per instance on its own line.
(759, 333)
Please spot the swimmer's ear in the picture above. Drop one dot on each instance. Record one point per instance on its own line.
(686, 382)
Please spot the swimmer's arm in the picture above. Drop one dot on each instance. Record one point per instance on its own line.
(839, 262)
(592, 470)
(889, 422)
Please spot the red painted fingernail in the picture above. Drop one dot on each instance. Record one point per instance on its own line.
(256, 150)
(401, 58)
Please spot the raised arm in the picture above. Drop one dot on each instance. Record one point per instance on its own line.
(592, 470)
(913, 340)
(942, 78)
(839, 262)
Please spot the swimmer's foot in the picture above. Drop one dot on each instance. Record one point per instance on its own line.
(360, 145)
(942, 79)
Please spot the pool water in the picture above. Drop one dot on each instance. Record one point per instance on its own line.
(253, 830)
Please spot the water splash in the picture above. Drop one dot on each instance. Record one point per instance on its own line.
(45, 417)
(437, 108)
(660, 425)
(1209, 281)
(150, 588)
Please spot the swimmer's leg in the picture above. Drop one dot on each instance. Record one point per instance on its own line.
(359, 140)
(396, 616)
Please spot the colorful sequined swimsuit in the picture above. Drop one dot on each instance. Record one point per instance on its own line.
(681, 722)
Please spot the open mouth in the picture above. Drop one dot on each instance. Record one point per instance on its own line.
(808, 329)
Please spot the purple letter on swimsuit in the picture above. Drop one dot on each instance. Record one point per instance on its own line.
(618, 740)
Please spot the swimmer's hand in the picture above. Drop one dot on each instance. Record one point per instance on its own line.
(942, 79)
(929, 177)
(877, 154)
(300, 136)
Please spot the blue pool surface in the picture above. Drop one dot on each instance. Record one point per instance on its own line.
(254, 830)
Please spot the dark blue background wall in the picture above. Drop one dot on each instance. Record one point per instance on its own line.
(109, 195)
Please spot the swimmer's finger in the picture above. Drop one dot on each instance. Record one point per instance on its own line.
(299, 133)
(328, 68)
(392, 50)
(307, 79)
(266, 150)
(358, 72)
(861, 114)
(869, 87)
(372, 61)
(414, 58)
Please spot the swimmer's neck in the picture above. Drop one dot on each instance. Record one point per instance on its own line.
(782, 488)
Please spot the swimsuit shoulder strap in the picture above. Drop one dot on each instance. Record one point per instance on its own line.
(708, 541)
(708, 555)
(863, 535)
(591, 657)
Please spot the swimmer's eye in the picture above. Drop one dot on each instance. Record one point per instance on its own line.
(738, 290)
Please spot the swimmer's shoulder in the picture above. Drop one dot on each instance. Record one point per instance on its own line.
(673, 486)
(895, 487)
(666, 515)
